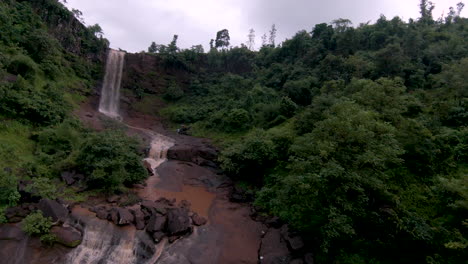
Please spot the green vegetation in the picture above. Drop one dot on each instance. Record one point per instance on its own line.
(50, 62)
(356, 136)
(35, 224)
(110, 159)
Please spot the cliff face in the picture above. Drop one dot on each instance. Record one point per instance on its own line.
(73, 36)
(150, 74)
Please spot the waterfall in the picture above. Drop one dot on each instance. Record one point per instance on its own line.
(110, 94)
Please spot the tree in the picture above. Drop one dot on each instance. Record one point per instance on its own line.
(78, 15)
(153, 48)
(211, 44)
(264, 40)
(251, 41)
(197, 49)
(272, 35)
(222, 39)
(172, 48)
(97, 30)
(425, 9)
(341, 24)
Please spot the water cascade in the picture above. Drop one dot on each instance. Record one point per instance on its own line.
(110, 94)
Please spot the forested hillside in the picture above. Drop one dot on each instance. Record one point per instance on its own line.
(356, 136)
(49, 63)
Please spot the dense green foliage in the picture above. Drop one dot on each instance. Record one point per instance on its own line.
(36, 224)
(49, 62)
(110, 159)
(356, 136)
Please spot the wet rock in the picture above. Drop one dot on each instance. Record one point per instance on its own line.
(273, 250)
(148, 167)
(101, 212)
(178, 221)
(138, 186)
(184, 204)
(158, 236)
(121, 216)
(139, 219)
(113, 199)
(172, 239)
(156, 223)
(274, 222)
(16, 214)
(239, 195)
(296, 261)
(193, 153)
(53, 209)
(153, 208)
(198, 220)
(67, 236)
(11, 232)
(309, 258)
(67, 177)
(295, 242)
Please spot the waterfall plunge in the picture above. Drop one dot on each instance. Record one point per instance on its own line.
(110, 94)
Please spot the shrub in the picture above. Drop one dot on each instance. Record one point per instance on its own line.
(9, 194)
(36, 224)
(173, 92)
(248, 159)
(23, 65)
(42, 187)
(110, 159)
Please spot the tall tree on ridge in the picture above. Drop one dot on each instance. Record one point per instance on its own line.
(222, 39)
(273, 35)
(251, 41)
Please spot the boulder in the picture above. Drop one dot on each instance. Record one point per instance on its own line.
(16, 214)
(113, 199)
(198, 220)
(178, 221)
(11, 232)
(153, 208)
(101, 212)
(273, 250)
(239, 195)
(274, 222)
(148, 167)
(309, 258)
(295, 242)
(158, 236)
(139, 219)
(184, 204)
(53, 209)
(121, 216)
(193, 153)
(296, 261)
(68, 178)
(67, 236)
(172, 239)
(156, 223)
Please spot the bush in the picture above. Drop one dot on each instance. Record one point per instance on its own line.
(110, 159)
(36, 224)
(41, 106)
(9, 194)
(173, 92)
(42, 187)
(23, 65)
(249, 158)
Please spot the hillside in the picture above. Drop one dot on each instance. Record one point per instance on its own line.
(355, 138)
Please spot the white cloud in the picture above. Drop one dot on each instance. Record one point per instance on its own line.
(133, 25)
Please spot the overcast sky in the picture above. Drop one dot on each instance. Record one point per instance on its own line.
(133, 24)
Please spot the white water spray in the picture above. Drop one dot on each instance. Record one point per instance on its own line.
(110, 94)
